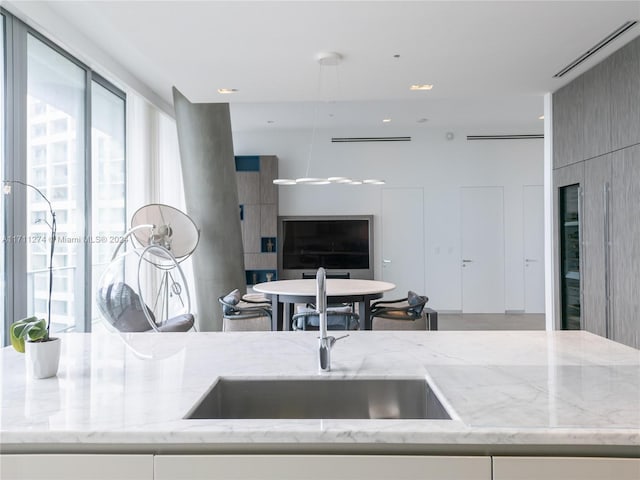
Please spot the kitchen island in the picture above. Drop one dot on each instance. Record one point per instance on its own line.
(551, 394)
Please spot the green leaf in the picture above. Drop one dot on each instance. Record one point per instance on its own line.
(36, 331)
(32, 327)
(17, 340)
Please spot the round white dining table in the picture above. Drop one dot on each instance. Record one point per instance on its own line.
(285, 293)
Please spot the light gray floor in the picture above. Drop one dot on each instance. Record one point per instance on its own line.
(490, 321)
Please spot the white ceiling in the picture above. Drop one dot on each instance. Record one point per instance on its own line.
(490, 62)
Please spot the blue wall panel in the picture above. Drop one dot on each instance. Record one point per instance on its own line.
(248, 163)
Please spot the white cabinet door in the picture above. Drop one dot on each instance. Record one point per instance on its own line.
(76, 467)
(565, 468)
(320, 467)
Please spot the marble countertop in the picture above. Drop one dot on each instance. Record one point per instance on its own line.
(509, 392)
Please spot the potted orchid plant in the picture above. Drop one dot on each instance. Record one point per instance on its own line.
(31, 335)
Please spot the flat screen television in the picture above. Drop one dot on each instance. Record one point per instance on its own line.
(343, 245)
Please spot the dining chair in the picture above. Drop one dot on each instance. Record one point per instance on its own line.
(407, 313)
(241, 314)
(338, 318)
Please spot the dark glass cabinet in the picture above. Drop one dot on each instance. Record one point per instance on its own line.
(570, 256)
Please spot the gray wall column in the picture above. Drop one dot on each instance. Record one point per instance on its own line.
(211, 194)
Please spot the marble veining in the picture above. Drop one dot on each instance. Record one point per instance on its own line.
(504, 388)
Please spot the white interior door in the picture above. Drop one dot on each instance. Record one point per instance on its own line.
(403, 240)
(533, 231)
(482, 261)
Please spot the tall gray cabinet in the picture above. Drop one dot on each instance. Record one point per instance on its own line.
(625, 245)
(596, 137)
(258, 198)
(596, 245)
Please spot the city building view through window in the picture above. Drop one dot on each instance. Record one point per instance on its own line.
(3, 292)
(74, 129)
(55, 165)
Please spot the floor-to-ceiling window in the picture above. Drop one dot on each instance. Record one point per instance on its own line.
(64, 136)
(56, 93)
(108, 179)
(2, 149)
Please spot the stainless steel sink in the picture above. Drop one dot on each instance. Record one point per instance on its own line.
(320, 398)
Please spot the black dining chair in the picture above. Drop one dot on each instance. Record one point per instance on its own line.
(407, 313)
(241, 314)
(338, 318)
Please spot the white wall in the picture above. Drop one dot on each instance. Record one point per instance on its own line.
(429, 161)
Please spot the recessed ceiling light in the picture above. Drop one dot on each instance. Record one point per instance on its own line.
(386, 120)
(541, 117)
(425, 86)
(225, 91)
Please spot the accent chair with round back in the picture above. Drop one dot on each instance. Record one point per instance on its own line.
(123, 309)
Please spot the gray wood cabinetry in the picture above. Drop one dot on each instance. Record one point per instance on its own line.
(624, 84)
(562, 177)
(268, 173)
(596, 233)
(599, 112)
(250, 228)
(596, 112)
(568, 127)
(258, 198)
(625, 247)
(609, 217)
(596, 136)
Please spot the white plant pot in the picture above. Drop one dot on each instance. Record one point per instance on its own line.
(42, 358)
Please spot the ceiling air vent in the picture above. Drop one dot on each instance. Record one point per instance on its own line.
(598, 46)
(505, 137)
(369, 139)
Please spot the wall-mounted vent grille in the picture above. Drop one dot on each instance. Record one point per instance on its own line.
(598, 46)
(505, 137)
(370, 139)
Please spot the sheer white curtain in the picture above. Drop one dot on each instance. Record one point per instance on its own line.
(154, 174)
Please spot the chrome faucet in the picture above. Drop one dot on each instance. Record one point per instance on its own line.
(326, 342)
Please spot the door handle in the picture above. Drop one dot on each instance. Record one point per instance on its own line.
(530, 260)
(386, 261)
(467, 261)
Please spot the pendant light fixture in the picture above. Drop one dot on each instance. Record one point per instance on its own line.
(325, 59)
